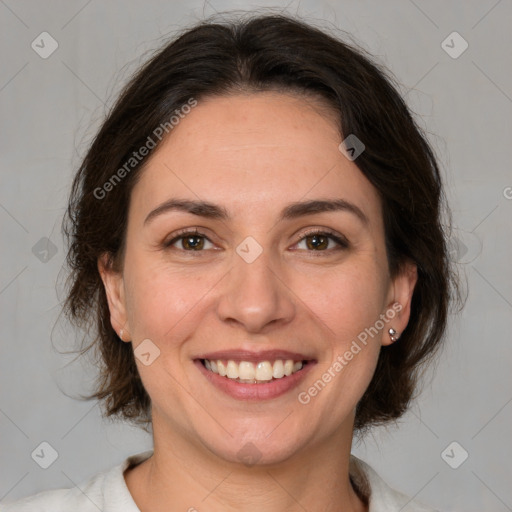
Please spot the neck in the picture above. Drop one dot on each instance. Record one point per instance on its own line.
(188, 477)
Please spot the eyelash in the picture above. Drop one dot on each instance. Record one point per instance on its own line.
(341, 241)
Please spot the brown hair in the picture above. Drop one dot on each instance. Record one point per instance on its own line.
(260, 53)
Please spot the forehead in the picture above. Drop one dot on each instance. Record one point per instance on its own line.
(252, 152)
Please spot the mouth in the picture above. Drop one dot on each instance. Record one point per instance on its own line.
(254, 376)
(248, 372)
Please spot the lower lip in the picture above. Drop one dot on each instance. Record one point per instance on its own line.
(263, 391)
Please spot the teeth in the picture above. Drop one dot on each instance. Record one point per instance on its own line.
(232, 370)
(248, 372)
(264, 371)
(278, 369)
(221, 368)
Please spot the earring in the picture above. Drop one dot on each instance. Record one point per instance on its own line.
(392, 334)
(121, 334)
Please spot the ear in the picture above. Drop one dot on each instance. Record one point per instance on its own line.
(401, 292)
(114, 289)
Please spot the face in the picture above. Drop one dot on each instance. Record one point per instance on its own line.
(259, 276)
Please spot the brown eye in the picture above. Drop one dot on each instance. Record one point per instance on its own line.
(317, 241)
(191, 241)
(320, 241)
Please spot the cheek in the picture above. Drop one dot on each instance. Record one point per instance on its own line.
(349, 306)
(349, 303)
(159, 299)
(347, 299)
(173, 306)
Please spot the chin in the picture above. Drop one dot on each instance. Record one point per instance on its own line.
(255, 453)
(263, 443)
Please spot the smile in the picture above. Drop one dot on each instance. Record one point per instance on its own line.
(248, 372)
(250, 375)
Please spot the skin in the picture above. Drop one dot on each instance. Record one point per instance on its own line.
(253, 154)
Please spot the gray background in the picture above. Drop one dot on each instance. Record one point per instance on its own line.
(50, 109)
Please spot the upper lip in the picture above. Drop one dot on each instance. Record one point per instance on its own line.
(254, 357)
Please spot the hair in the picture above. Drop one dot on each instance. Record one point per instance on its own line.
(250, 55)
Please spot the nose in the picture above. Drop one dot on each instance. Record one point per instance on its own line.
(255, 296)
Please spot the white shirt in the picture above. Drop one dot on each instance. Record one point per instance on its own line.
(107, 492)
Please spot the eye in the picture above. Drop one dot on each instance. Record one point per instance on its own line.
(191, 241)
(318, 241)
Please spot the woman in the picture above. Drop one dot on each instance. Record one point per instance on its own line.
(256, 235)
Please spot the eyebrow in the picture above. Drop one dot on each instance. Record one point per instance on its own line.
(292, 211)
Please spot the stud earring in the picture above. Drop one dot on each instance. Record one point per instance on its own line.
(392, 334)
